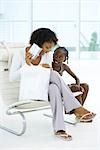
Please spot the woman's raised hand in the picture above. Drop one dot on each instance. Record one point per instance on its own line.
(28, 56)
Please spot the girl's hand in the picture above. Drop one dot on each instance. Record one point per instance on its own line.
(79, 88)
(28, 56)
(75, 87)
(82, 89)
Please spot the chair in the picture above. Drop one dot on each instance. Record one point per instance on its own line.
(23, 107)
(28, 106)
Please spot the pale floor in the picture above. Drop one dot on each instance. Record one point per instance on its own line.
(39, 133)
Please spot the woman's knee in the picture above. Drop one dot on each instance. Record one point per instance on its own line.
(53, 88)
(54, 75)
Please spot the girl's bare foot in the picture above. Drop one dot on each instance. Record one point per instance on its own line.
(83, 114)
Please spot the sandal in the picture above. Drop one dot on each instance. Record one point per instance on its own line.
(63, 135)
(88, 117)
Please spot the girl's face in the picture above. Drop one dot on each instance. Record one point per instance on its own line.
(59, 57)
(46, 47)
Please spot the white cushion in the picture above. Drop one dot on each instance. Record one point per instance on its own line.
(3, 54)
(7, 49)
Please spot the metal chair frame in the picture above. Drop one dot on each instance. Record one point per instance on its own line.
(14, 109)
(18, 108)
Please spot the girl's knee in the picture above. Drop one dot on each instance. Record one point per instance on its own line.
(85, 86)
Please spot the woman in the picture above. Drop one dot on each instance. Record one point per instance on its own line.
(58, 90)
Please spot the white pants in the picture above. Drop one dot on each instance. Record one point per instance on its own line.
(58, 92)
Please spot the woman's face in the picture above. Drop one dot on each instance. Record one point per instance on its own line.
(46, 47)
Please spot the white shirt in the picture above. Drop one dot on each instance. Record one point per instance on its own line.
(34, 79)
(18, 61)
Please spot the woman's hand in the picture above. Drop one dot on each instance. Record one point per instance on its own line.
(28, 56)
(41, 53)
(45, 65)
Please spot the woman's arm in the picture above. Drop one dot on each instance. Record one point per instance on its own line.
(17, 62)
(45, 65)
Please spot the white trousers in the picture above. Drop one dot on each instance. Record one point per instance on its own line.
(60, 95)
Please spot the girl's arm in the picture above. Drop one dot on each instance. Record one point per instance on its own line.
(69, 71)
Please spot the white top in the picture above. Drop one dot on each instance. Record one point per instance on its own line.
(34, 79)
(18, 61)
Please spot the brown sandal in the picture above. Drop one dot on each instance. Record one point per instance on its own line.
(63, 135)
(88, 117)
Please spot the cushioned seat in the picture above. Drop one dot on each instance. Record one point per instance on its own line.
(28, 106)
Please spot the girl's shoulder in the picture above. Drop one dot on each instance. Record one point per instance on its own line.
(65, 66)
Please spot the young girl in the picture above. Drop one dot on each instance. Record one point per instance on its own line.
(58, 90)
(59, 57)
